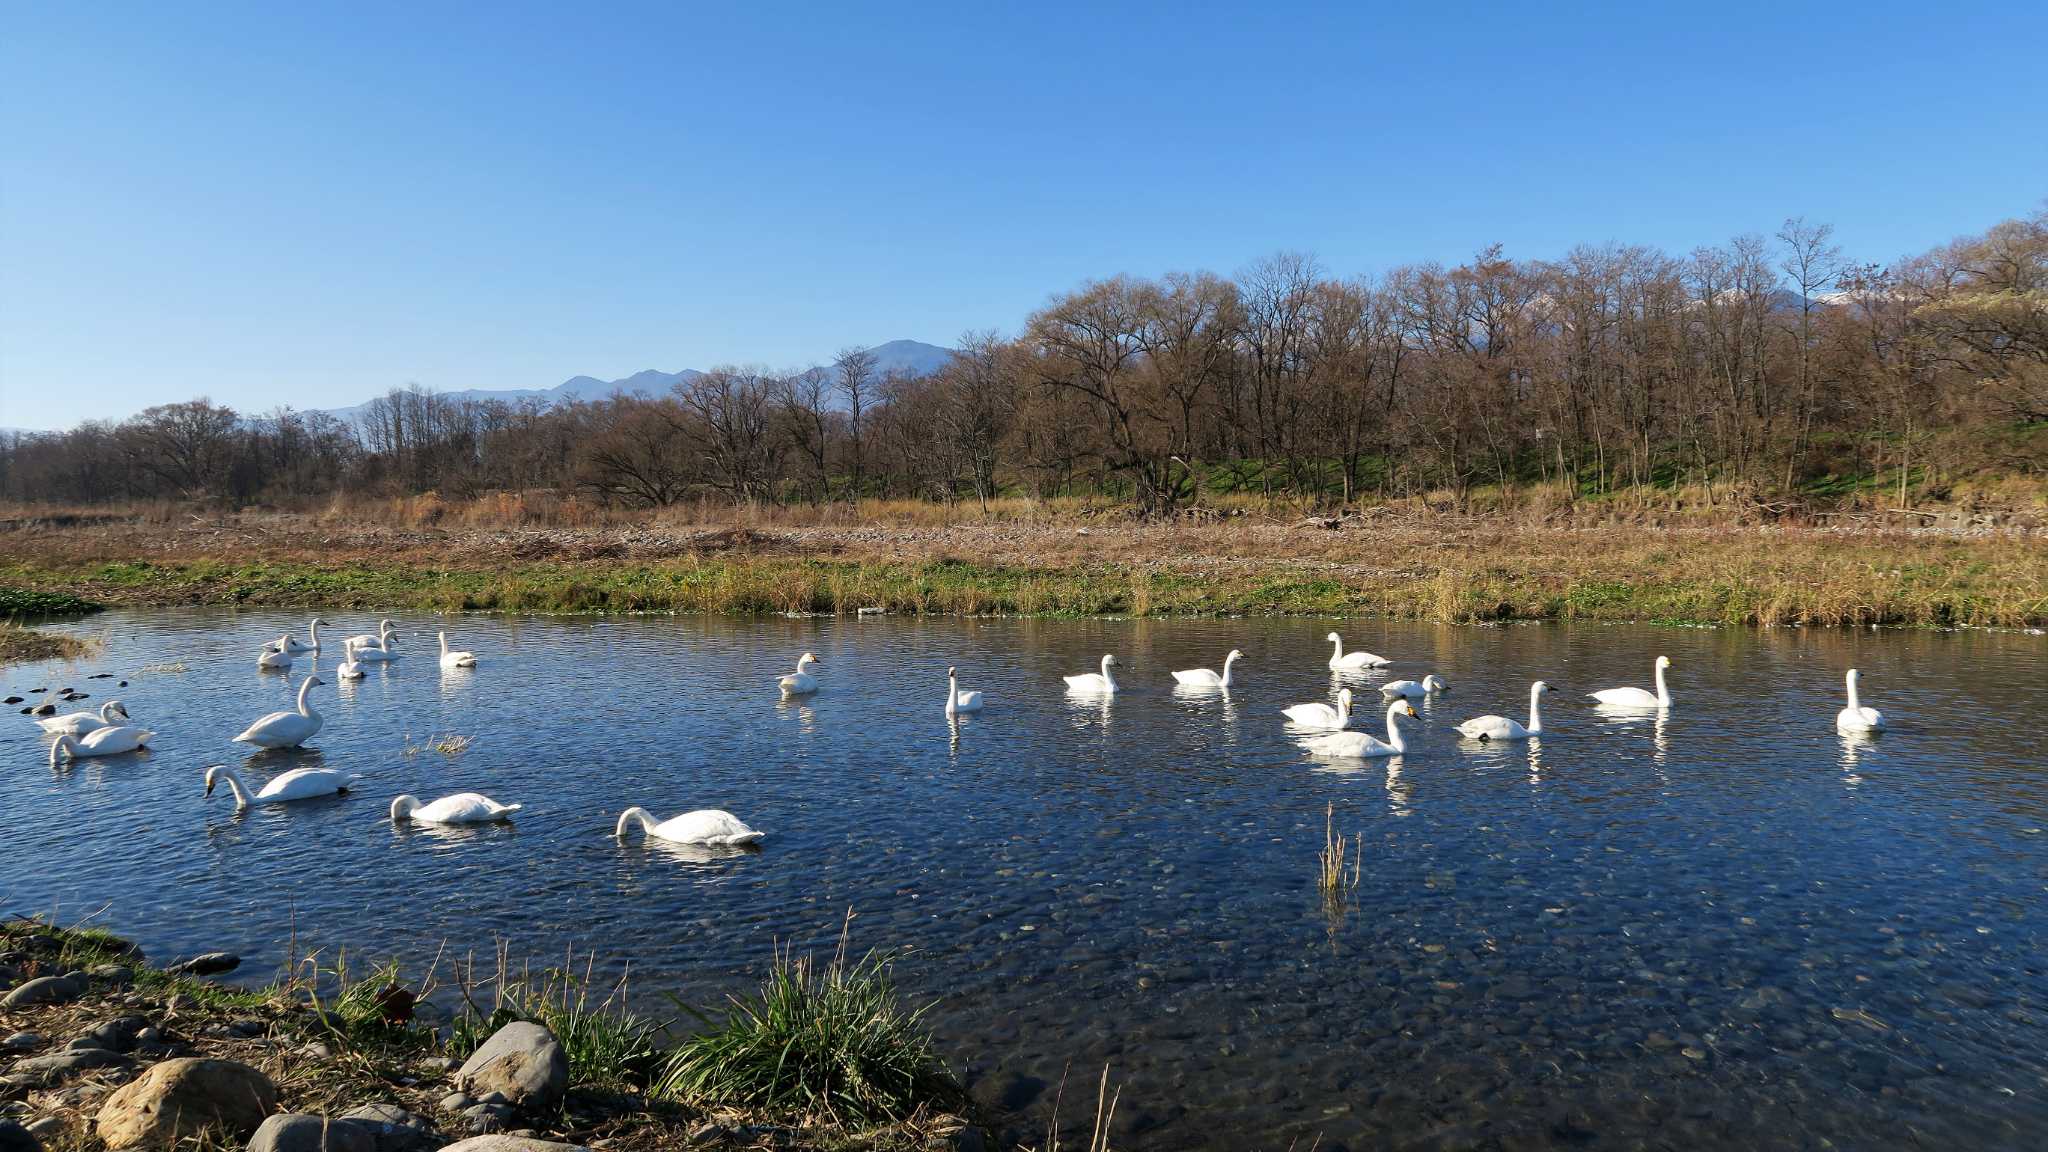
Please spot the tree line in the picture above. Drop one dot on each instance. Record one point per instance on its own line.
(1768, 363)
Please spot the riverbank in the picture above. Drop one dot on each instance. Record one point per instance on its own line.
(1448, 570)
(100, 1049)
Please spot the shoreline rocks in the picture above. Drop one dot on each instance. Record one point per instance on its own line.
(522, 1063)
(179, 1097)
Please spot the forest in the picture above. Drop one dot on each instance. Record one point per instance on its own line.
(1769, 367)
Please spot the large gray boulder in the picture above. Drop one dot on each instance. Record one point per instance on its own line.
(510, 1144)
(45, 990)
(177, 1098)
(392, 1128)
(299, 1132)
(44, 1071)
(523, 1062)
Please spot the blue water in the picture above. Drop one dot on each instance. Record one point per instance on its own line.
(1726, 927)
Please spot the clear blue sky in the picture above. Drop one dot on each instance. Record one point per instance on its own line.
(311, 203)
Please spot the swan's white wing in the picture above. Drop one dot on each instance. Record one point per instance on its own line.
(1401, 688)
(967, 702)
(706, 826)
(1353, 745)
(1316, 714)
(1199, 677)
(1626, 697)
(1086, 682)
(463, 808)
(1492, 728)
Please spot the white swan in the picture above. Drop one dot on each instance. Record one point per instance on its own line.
(1857, 718)
(455, 659)
(108, 741)
(350, 668)
(1208, 677)
(1502, 728)
(1359, 745)
(79, 723)
(461, 808)
(1097, 683)
(1322, 716)
(1342, 661)
(800, 682)
(1636, 697)
(1428, 684)
(382, 636)
(278, 656)
(312, 643)
(704, 826)
(286, 729)
(377, 651)
(958, 701)
(297, 784)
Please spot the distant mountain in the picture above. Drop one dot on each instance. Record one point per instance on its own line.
(911, 357)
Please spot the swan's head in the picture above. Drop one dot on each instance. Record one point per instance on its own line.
(1111, 659)
(322, 623)
(403, 806)
(1333, 638)
(805, 661)
(115, 708)
(65, 746)
(1538, 688)
(1854, 676)
(1400, 708)
(315, 679)
(951, 672)
(213, 777)
(1434, 683)
(1234, 655)
(1343, 697)
(1663, 661)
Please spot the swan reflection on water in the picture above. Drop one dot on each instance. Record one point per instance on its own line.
(1854, 746)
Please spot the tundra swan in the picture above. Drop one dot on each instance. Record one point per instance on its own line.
(1342, 661)
(1361, 746)
(350, 668)
(297, 784)
(1094, 683)
(1502, 728)
(1322, 716)
(79, 723)
(312, 641)
(1428, 684)
(1856, 718)
(800, 682)
(461, 808)
(111, 740)
(1208, 677)
(286, 729)
(704, 826)
(455, 659)
(1636, 697)
(958, 701)
(277, 657)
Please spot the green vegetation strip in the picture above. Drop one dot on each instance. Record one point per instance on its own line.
(1811, 582)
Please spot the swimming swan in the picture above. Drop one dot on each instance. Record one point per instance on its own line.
(278, 656)
(1359, 745)
(374, 652)
(800, 682)
(1502, 728)
(111, 740)
(350, 668)
(297, 784)
(455, 659)
(1098, 683)
(1636, 697)
(704, 826)
(79, 723)
(312, 643)
(1342, 661)
(1322, 716)
(286, 729)
(958, 701)
(382, 636)
(1428, 684)
(1856, 718)
(1207, 677)
(461, 808)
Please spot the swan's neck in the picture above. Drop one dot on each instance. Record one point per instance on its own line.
(635, 816)
(952, 694)
(1535, 710)
(1337, 653)
(306, 704)
(107, 709)
(235, 786)
(57, 750)
(313, 633)
(1108, 680)
(1227, 662)
(444, 646)
(1854, 704)
(1344, 713)
(1663, 692)
(1394, 738)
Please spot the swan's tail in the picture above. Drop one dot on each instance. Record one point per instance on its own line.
(510, 808)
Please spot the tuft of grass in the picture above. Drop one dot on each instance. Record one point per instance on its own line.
(830, 1043)
(1336, 879)
(607, 1044)
(450, 745)
(22, 645)
(1105, 1112)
